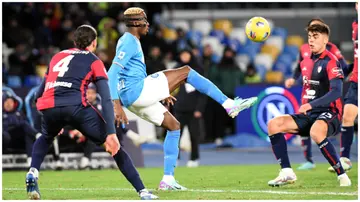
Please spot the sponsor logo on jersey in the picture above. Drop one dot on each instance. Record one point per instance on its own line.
(54, 84)
(310, 94)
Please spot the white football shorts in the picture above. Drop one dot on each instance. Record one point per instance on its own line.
(148, 106)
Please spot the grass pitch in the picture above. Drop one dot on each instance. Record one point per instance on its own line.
(242, 182)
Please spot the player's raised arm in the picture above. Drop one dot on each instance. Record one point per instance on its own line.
(296, 74)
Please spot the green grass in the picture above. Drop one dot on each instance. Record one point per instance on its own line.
(231, 182)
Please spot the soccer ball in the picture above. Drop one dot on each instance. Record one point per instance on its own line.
(257, 29)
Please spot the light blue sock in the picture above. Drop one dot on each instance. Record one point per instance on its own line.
(205, 86)
(171, 151)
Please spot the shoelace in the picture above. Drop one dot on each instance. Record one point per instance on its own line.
(236, 107)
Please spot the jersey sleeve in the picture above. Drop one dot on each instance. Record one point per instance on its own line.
(333, 70)
(125, 50)
(98, 70)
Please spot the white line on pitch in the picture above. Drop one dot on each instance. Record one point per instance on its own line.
(197, 190)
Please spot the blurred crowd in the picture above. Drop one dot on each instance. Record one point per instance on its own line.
(34, 32)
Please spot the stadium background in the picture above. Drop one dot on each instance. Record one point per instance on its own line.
(33, 32)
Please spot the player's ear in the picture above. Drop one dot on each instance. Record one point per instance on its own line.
(326, 39)
(136, 23)
(94, 44)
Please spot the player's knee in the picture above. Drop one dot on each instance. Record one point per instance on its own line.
(348, 120)
(174, 125)
(318, 132)
(275, 126)
(186, 68)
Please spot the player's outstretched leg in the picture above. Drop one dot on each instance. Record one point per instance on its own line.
(318, 133)
(128, 169)
(276, 128)
(186, 74)
(171, 153)
(306, 146)
(40, 149)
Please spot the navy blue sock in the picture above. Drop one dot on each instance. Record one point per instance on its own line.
(347, 137)
(206, 87)
(306, 146)
(329, 153)
(39, 151)
(128, 169)
(279, 147)
(171, 151)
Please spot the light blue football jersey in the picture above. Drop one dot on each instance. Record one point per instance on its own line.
(128, 70)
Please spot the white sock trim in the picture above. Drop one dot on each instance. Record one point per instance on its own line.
(287, 170)
(342, 175)
(168, 178)
(228, 103)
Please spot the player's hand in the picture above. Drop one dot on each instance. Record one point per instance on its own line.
(170, 100)
(112, 144)
(289, 82)
(197, 114)
(120, 115)
(304, 108)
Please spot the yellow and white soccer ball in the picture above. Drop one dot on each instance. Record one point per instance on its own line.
(258, 29)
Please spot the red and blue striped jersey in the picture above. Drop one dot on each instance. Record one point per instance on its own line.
(68, 76)
(317, 73)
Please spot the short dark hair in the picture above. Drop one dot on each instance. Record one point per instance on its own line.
(315, 19)
(84, 35)
(321, 28)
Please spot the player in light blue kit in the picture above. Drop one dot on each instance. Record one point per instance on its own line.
(141, 94)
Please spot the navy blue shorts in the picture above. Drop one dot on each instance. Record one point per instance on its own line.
(305, 122)
(85, 119)
(351, 96)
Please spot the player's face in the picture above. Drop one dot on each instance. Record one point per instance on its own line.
(9, 105)
(317, 42)
(356, 6)
(91, 95)
(144, 30)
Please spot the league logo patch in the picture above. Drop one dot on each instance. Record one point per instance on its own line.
(156, 75)
(319, 69)
(121, 55)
